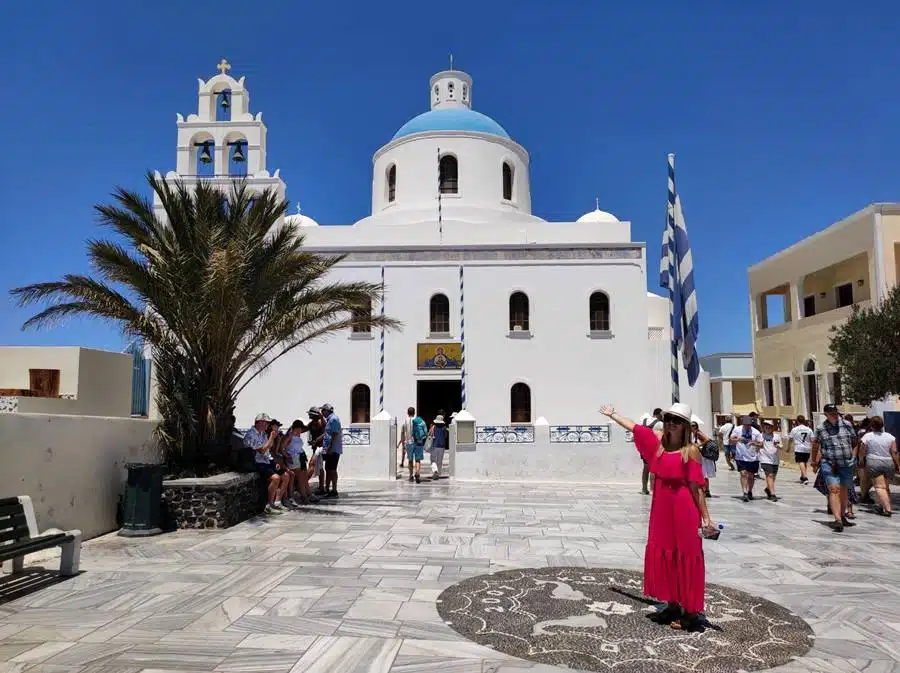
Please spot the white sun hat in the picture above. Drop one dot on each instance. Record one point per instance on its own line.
(681, 410)
(696, 419)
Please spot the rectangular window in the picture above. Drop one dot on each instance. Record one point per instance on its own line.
(837, 395)
(768, 393)
(809, 306)
(786, 392)
(844, 295)
(362, 320)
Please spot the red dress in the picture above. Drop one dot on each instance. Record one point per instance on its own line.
(674, 571)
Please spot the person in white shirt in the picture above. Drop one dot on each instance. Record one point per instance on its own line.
(878, 453)
(768, 457)
(728, 446)
(748, 441)
(801, 436)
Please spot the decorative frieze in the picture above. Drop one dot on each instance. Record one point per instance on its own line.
(504, 434)
(567, 434)
(356, 436)
(490, 254)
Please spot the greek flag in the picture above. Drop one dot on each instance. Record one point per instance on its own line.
(676, 273)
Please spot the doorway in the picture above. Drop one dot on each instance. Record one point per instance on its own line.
(432, 396)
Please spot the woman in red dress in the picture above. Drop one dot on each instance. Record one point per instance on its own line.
(674, 571)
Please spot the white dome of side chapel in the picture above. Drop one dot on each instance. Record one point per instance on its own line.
(598, 216)
(300, 220)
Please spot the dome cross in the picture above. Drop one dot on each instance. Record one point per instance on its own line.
(223, 66)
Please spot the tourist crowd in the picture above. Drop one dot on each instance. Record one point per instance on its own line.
(283, 465)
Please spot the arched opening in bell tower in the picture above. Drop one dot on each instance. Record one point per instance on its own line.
(223, 105)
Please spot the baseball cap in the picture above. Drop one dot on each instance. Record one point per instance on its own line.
(262, 417)
(327, 407)
(830, 409)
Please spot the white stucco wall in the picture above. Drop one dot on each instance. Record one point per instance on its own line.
(480, 158)
(569, 373)
(73, 467)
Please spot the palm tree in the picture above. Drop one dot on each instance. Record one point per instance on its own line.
(217, 288)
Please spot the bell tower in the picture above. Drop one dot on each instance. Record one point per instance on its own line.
(223, 141)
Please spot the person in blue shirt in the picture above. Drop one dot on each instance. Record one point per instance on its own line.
(333, 442)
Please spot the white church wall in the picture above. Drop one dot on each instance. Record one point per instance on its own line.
(480, 158)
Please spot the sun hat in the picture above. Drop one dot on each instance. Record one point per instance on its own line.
(768, 422)
(681, 410)
(747, 420)
(262, 417)
(314, 411)
(696, 419)
(439, 420)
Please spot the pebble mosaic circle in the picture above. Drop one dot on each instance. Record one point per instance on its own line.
(595, 619)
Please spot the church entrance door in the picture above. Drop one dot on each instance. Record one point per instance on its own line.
(433, 396)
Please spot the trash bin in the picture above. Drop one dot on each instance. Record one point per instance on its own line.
(142, 503)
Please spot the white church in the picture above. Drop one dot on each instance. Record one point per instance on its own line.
(513, 318)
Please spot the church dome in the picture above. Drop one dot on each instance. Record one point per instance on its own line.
(451, 119)
(598, 216)
(301, 220)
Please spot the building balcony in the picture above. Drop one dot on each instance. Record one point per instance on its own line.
(831, 317)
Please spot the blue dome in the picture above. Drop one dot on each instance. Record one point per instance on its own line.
(451, 119)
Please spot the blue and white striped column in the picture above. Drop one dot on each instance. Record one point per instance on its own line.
(670, 224)
(462, 338)
(381, 351)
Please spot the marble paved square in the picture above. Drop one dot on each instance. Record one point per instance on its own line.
(351, 586)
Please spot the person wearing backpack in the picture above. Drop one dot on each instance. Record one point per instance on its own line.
(415, 432)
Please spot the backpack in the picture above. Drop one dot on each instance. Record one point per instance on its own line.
(419, 430)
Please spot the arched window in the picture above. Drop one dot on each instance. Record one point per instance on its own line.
(360, 405)
(392, 183)
(518, 312)
(599, 312)
(439, 315)
(362, 319)
(520, 403)
(448, 174)
(507, 181)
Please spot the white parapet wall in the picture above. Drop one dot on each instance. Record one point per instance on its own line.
(600, 454)
(73, 467)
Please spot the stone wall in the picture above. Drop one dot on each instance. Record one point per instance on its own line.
(212, 502)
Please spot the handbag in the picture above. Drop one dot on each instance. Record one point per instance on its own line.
(710, 450)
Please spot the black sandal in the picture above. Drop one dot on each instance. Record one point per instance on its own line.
(665, 616)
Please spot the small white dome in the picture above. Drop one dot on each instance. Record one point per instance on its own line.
(300, 220)
(598, 217)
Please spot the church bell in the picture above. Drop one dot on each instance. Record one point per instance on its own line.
(238, 156)
(205, 154)
(226, 103)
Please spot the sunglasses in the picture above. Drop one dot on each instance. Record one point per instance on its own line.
(668, 418)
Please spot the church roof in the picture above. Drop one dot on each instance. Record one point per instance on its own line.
(451, 119)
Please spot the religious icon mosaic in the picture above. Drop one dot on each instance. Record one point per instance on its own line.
(595, 619)
(443, 355)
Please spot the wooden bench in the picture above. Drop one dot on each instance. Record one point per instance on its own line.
(19, 536)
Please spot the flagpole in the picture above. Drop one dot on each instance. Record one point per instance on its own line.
(673, 279)
(440, 213)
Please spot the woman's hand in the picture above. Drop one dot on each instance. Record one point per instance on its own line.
(607, 410)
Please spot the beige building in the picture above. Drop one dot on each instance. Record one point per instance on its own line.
(65, 380)
(799, 293)
(731, 384)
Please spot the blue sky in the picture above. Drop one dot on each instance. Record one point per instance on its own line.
(783, 115)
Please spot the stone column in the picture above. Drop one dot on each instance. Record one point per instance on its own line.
(726, 396)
